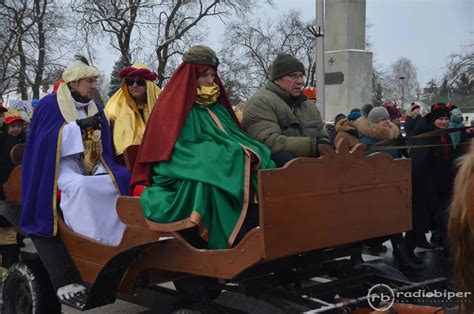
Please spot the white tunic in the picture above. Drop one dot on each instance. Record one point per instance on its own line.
(88, 203)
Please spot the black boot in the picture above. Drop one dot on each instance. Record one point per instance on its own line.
(402, 256)
(415, 259)
(425, 244)
(357, 259)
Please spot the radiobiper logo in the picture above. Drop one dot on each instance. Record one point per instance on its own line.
(381, 297)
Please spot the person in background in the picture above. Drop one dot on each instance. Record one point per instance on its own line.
(129, 108)
(364, 111)
(413, 118)
(346, 130)
(3, 126)
(394, 114)
(44, 89)
(281, 116)
(432, 179)
(375, 128)
(9, 244)
(353, 115)
(331, 128)
(456, 121)
(12, 135)
(34, 103)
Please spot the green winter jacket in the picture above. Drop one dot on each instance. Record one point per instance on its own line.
(284, 123)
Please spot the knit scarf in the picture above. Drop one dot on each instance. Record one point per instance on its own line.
(207, 95)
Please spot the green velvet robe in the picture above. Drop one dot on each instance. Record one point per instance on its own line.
(207, 179)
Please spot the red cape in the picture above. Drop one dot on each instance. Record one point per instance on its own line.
(167, 119)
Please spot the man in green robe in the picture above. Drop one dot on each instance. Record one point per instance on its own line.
(197, 163)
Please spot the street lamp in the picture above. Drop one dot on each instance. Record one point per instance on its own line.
(401, 91)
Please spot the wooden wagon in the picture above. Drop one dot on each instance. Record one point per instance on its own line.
(312, 211)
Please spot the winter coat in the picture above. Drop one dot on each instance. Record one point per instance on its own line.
(284, 123)
(456, 122)
(371, 133)
(410, 122)
(432, 175)
(7, 142)
(346, 132)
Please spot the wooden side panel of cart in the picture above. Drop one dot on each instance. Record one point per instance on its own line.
(311, 203)
(342, 197)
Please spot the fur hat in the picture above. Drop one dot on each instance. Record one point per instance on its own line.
(440, 110)
(201, 54)
(378, 114)
(137, 70)
(285, 64)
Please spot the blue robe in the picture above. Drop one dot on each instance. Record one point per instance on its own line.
(40, 168)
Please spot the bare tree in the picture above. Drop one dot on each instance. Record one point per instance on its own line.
(459, 76)
(177, 23)
(31, 23)
(116, 18)
(400, 83)
(253, 46)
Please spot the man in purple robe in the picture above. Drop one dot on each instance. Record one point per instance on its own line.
(70, 149)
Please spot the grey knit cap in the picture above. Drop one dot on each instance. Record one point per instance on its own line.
(378, 114)
(285, 64)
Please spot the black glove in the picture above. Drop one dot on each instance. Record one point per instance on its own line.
(90, 122)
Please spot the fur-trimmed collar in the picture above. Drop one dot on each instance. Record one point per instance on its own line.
(341, 126)
(374, 130)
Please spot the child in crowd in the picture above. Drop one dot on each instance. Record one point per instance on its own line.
(11, 135)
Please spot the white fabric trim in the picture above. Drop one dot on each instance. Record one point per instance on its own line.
(71, 142)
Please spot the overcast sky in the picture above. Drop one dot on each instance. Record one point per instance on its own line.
(425, 31)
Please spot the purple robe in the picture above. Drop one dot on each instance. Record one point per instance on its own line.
(40, 167)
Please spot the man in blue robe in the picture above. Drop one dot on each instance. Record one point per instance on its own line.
(70, 149)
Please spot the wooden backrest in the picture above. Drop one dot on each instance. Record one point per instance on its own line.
(130, 156)
(16, 154)
(12, 187)
(339, 198)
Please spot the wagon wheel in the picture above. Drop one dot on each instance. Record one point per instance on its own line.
(197, 289)
(27, 289)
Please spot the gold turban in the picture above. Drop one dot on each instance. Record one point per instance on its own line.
(123, 113)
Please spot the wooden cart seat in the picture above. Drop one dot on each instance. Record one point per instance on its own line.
(12, 187)
(311, 203)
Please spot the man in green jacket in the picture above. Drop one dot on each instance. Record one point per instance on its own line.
(280, 116)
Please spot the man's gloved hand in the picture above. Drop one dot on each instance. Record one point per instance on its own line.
(314, 146)
(90, 122)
